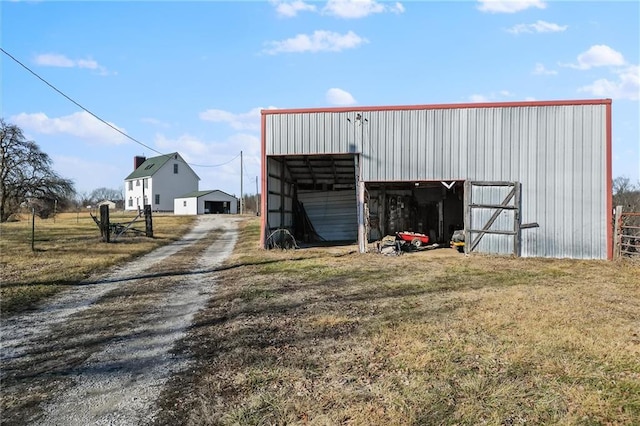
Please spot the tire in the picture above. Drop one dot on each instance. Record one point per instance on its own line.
(416, 242)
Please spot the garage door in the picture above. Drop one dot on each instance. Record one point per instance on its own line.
(332, 213)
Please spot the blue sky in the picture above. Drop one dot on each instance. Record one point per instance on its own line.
(192, 76)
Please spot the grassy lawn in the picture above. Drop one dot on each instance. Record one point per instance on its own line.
(326, 336)
(67, 250)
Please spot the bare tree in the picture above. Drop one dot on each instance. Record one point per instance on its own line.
(626, 194)
(26, 174)
(101, 194)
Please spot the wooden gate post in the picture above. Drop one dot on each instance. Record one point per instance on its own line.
(148, 221)
(105, 229)
(617, 232)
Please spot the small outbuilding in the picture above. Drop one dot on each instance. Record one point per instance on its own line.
(112, 205)
(205, 202)
(519, 178)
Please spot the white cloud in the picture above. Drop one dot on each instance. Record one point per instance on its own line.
(337, 96)
(397, 8)
(244, 121)
(155, 122)
(220, 159)
(80, 124)
(186, 144)
(541, 70)
(478, 98)
(319, 41)
(598, 55)
(537, 27)
(58, 60)
(509, 6)
(491, 97)
(289, 9)
(88, 175)
(354, 9)
(625, 86)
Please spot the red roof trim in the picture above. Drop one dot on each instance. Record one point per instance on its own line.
(440, 106)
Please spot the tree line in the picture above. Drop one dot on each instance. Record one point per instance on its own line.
(28, 181)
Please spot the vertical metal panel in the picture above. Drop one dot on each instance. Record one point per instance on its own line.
(279, 197)
(332, 213)
(557, 152)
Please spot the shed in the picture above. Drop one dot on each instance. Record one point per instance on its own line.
(206, 202)
(520, 178)
(111, 204)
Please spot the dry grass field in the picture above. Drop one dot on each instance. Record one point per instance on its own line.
(326, 336)
(67, 250)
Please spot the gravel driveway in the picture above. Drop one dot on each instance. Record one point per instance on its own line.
(100, 353)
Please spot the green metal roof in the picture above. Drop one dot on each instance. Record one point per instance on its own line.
(150, 166)
(195, 194)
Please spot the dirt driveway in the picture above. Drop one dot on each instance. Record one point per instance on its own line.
(101, 352)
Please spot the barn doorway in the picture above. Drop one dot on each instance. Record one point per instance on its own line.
(313, 197)
(435, 209)
(216, 207)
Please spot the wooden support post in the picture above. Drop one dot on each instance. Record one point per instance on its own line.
(362, 232)
(360, 199)
(105, 230)
(517, 221)
(33, 229)
(467, 215)
(148, 221)
(617, 232)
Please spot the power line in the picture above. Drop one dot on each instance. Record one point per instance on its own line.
(215, 165)
(100, 119)
(77, 104)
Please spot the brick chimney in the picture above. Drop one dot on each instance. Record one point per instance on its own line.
(137, 161)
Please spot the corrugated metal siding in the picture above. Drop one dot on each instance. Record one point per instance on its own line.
(279, 198)
(558, 153)
(332, 213)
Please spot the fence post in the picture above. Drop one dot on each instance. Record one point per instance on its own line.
(617, 232)
(33, 229)
(104, 223)
(148, 221)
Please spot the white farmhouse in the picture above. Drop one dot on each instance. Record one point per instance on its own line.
(158, 181)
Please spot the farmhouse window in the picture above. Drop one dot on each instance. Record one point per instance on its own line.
(130, 185)
(138, 182)
(146, 183)
(184, 204)
(130, 200)
(157, 198)
(175, 169)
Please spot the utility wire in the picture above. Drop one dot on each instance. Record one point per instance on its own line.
(216, 165)
(98, 118)
(77, 104)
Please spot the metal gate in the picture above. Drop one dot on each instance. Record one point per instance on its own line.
(492, 217)
(627, 234)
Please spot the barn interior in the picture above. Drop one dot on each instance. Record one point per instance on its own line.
(315, 198)
(431, 208)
